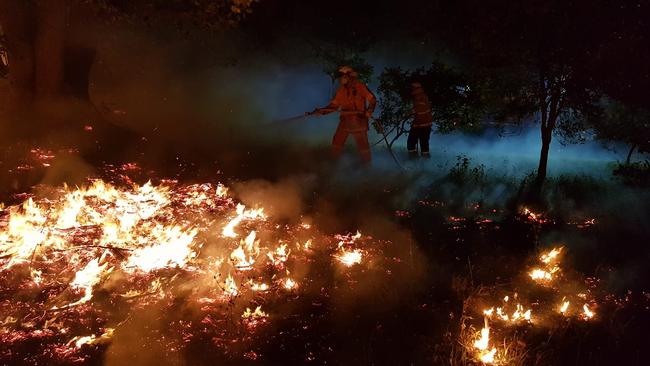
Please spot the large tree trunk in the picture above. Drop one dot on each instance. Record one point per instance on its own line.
(78, 61)
(35, 32)
(49, 46)
(18, 26)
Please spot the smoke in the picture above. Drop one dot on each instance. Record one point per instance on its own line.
(221, 105)
(283, 200)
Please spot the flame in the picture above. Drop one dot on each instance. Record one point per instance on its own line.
(258, 286)
(350, 257)
(551, 256)
(539, 274)
(279, 255)
(137, 241)
(88, 277)
(254, 318)
(241, 215)
(243, 257)
(92, 339)
(482, 343)
(586, 312)
(564, 307)
(518, 314)
(356, 236)
(230, 287)
(290, 284)
(532, 216)
(550, 266)
(488, 356)
(24, 234)
(221, 191)
(173, 249)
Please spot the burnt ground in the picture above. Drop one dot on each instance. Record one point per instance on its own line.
(464, 249)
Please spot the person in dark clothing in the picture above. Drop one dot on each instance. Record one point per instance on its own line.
(422, 122)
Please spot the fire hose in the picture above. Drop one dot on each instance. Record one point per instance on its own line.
(380, 127)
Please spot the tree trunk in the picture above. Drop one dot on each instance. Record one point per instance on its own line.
(18, 26)
(49, 45)
(543, 157)
(629, 154)
(78, 61)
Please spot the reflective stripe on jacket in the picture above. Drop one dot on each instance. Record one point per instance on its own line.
(422, 111)
(353, 102)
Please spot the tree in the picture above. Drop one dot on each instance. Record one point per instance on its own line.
(42, 65)
(630, 125)
(456, 100)
(534, 57)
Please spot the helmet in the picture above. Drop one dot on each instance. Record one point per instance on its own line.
(344, 70)
(416, 88)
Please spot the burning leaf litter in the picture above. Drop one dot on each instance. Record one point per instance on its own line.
(512, 313)
(90, 253)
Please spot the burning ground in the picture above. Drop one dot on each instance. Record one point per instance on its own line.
(113, 271)
(168, 269)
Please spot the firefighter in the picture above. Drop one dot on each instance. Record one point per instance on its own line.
(422, 122)
(355, 103)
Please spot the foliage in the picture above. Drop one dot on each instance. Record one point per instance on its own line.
(456, 100)
(630, 125)
(207, 14)
(461, 173)
(634, 174)
(335, 57)
(534, 59)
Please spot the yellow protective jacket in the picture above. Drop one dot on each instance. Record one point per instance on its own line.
(422, 111)
(353, 101)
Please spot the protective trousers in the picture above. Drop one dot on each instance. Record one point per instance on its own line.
(421, 135)
(361, 139)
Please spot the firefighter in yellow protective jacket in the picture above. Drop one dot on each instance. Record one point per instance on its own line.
(356, 103)
(422, 122)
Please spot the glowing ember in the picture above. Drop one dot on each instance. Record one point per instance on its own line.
(254, 318)
(532, 216)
